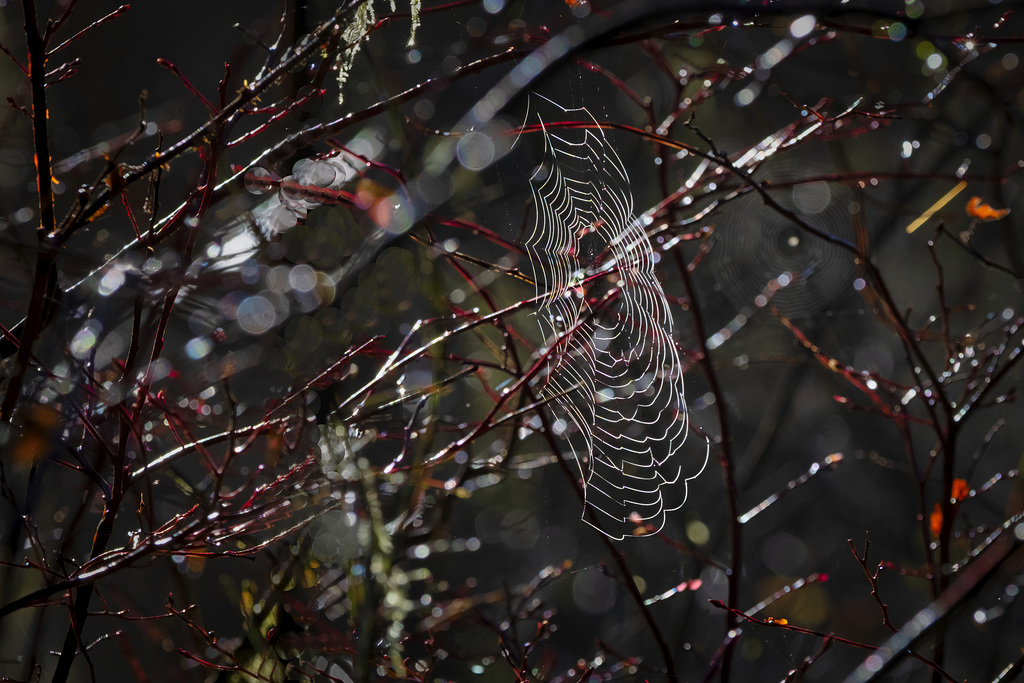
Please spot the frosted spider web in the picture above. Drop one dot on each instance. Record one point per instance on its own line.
(613, 369)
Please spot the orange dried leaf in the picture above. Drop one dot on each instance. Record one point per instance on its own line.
(935, 520)
(960, 490)
(274, 447)
(982, 211)
(38, 436)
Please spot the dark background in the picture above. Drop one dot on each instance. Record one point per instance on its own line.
(501, 558)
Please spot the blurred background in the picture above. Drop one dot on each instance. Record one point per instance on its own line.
(342, 465)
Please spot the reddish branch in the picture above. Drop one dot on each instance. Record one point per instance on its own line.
(725, 462)
(778, 623)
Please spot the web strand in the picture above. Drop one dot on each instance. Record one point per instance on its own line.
(616, 376)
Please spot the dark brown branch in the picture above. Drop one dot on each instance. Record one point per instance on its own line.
(44, 284)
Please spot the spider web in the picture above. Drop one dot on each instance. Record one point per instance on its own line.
(613, 369)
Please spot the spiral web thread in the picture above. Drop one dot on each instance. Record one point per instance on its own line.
(613, 367)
